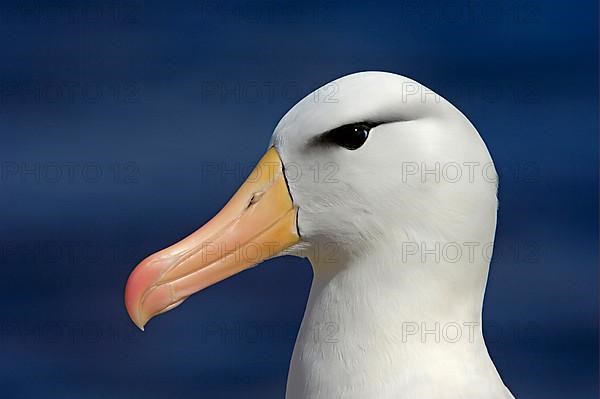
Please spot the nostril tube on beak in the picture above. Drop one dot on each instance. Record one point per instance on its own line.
(255, 198)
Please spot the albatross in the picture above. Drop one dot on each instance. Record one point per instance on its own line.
(406, 197)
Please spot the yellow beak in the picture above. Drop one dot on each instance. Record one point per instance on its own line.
(258, 222)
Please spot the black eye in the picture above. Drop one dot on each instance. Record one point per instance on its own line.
(348, 136)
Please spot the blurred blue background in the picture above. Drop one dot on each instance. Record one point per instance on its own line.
(110, 112)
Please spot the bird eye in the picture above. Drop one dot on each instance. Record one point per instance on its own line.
(350, 137)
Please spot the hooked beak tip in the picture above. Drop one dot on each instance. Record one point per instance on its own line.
(138, 320)
(140, 326)
(134, 291)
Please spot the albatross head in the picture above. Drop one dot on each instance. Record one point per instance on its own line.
(382, 165)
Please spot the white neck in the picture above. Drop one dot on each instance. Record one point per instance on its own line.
(388, 325)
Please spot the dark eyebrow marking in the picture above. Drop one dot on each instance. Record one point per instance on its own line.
(329, 136)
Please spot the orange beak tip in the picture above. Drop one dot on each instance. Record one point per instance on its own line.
(134, 291)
